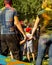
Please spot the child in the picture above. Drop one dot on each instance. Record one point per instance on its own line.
(29, 44)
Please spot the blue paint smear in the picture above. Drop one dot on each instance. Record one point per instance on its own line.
(2, 62)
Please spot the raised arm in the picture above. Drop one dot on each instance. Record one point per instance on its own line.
(35, 25)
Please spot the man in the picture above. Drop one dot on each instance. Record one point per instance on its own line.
(9, 20)
(45, 33)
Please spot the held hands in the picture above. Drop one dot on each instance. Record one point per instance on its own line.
(25, 38)
(31, 37)
(23, 41)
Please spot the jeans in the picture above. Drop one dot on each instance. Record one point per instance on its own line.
(42, 45)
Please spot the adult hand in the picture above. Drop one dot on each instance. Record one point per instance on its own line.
(23, 41)
(31, 37)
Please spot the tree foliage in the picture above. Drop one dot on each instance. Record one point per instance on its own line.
(1, 3)
(26, 8)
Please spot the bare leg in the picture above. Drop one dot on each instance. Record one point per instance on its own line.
(11, 55)
(28, 56)
(33, 56)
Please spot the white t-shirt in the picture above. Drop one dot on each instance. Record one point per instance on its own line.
(29, 43)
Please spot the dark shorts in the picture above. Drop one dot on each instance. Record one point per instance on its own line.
(12, 42)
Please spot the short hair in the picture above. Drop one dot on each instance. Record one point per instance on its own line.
(8, 1)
